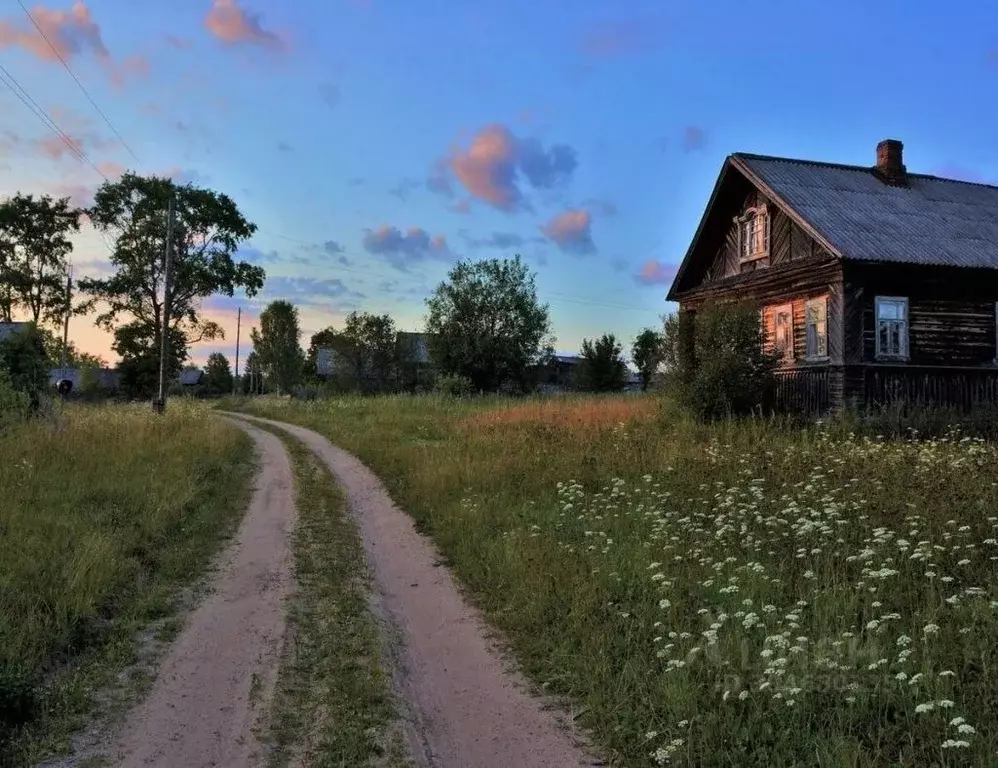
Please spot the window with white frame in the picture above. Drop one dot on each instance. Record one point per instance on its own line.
(816, 328)
(892, 326)
(753, 234)
(783, 331)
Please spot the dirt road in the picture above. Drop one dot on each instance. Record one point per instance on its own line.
(219, 674)
(464, 706)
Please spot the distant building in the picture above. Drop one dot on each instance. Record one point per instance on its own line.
(9, 329)
(191, 377)
(107, 378)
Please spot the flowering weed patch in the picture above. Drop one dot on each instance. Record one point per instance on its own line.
(736, 595)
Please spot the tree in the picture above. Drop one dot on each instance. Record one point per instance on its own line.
(646, 353)
(368, 348)
(208, 230)
(602, 368)
(485, 323)
(26, 364)
(217, 375)
(34, 244)
(276, 344)
(139, 349)
(252, 378)
(74, 357)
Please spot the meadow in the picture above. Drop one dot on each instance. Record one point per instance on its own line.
(740, 594)
(105, 514)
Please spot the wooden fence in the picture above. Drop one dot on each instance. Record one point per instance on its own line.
(962, 388)
(803, 391)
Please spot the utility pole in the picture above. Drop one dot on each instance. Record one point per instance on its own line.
(235, 379)
(64, 385)
(65, 327)
(159, 404)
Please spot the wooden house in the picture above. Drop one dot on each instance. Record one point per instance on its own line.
(875, 284)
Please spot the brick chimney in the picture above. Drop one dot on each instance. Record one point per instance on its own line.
(890, 166)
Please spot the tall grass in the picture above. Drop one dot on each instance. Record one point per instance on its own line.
(738, 594)
(103, 514)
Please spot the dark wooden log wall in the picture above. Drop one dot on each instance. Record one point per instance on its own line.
(951, 312)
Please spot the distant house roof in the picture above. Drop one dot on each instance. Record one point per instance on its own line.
(568, 359)
(930, 221)
(190, 377)
(107, 378)
(8, 329)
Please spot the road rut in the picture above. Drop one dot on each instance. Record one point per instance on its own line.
(465, 708)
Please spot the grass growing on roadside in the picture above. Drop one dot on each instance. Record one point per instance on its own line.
(333, 704)
(733, 595)
(104, 515)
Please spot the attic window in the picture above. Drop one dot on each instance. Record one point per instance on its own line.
(753, 234)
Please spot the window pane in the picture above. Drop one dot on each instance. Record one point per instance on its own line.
(883, 338)
(895, 338)
(890, 310)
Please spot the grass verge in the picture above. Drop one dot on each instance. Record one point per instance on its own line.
(106, 513)
(333, 704)
(732, 595)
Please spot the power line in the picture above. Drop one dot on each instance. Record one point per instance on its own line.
(77, 80)
(18, 90)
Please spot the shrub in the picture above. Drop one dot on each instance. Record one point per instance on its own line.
(25, 361)
(449, 384)
(717, 365)
(15, 406)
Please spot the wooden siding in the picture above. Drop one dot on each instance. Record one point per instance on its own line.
(951, 312)
(787, 242)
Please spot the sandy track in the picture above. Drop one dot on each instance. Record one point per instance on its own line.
(465, 708)
(219, 674)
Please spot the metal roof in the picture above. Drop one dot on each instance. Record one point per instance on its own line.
(9, 329)
(931, 221)
(190, 377)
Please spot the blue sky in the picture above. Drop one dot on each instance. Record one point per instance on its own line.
(374, 142)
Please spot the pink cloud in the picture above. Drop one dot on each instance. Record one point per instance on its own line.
(111, 169)
(402, 248)
(71, 33)
(571, 231)
(494, 163)
(66, 35)
(655, 272)
(487, 169)
(233, 25)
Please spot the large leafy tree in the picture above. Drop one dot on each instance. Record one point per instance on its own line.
(34, 246)
(276, 344)
(366, 350)
(646, 352)
(207, 232)
(486, 323)
(602, 368)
